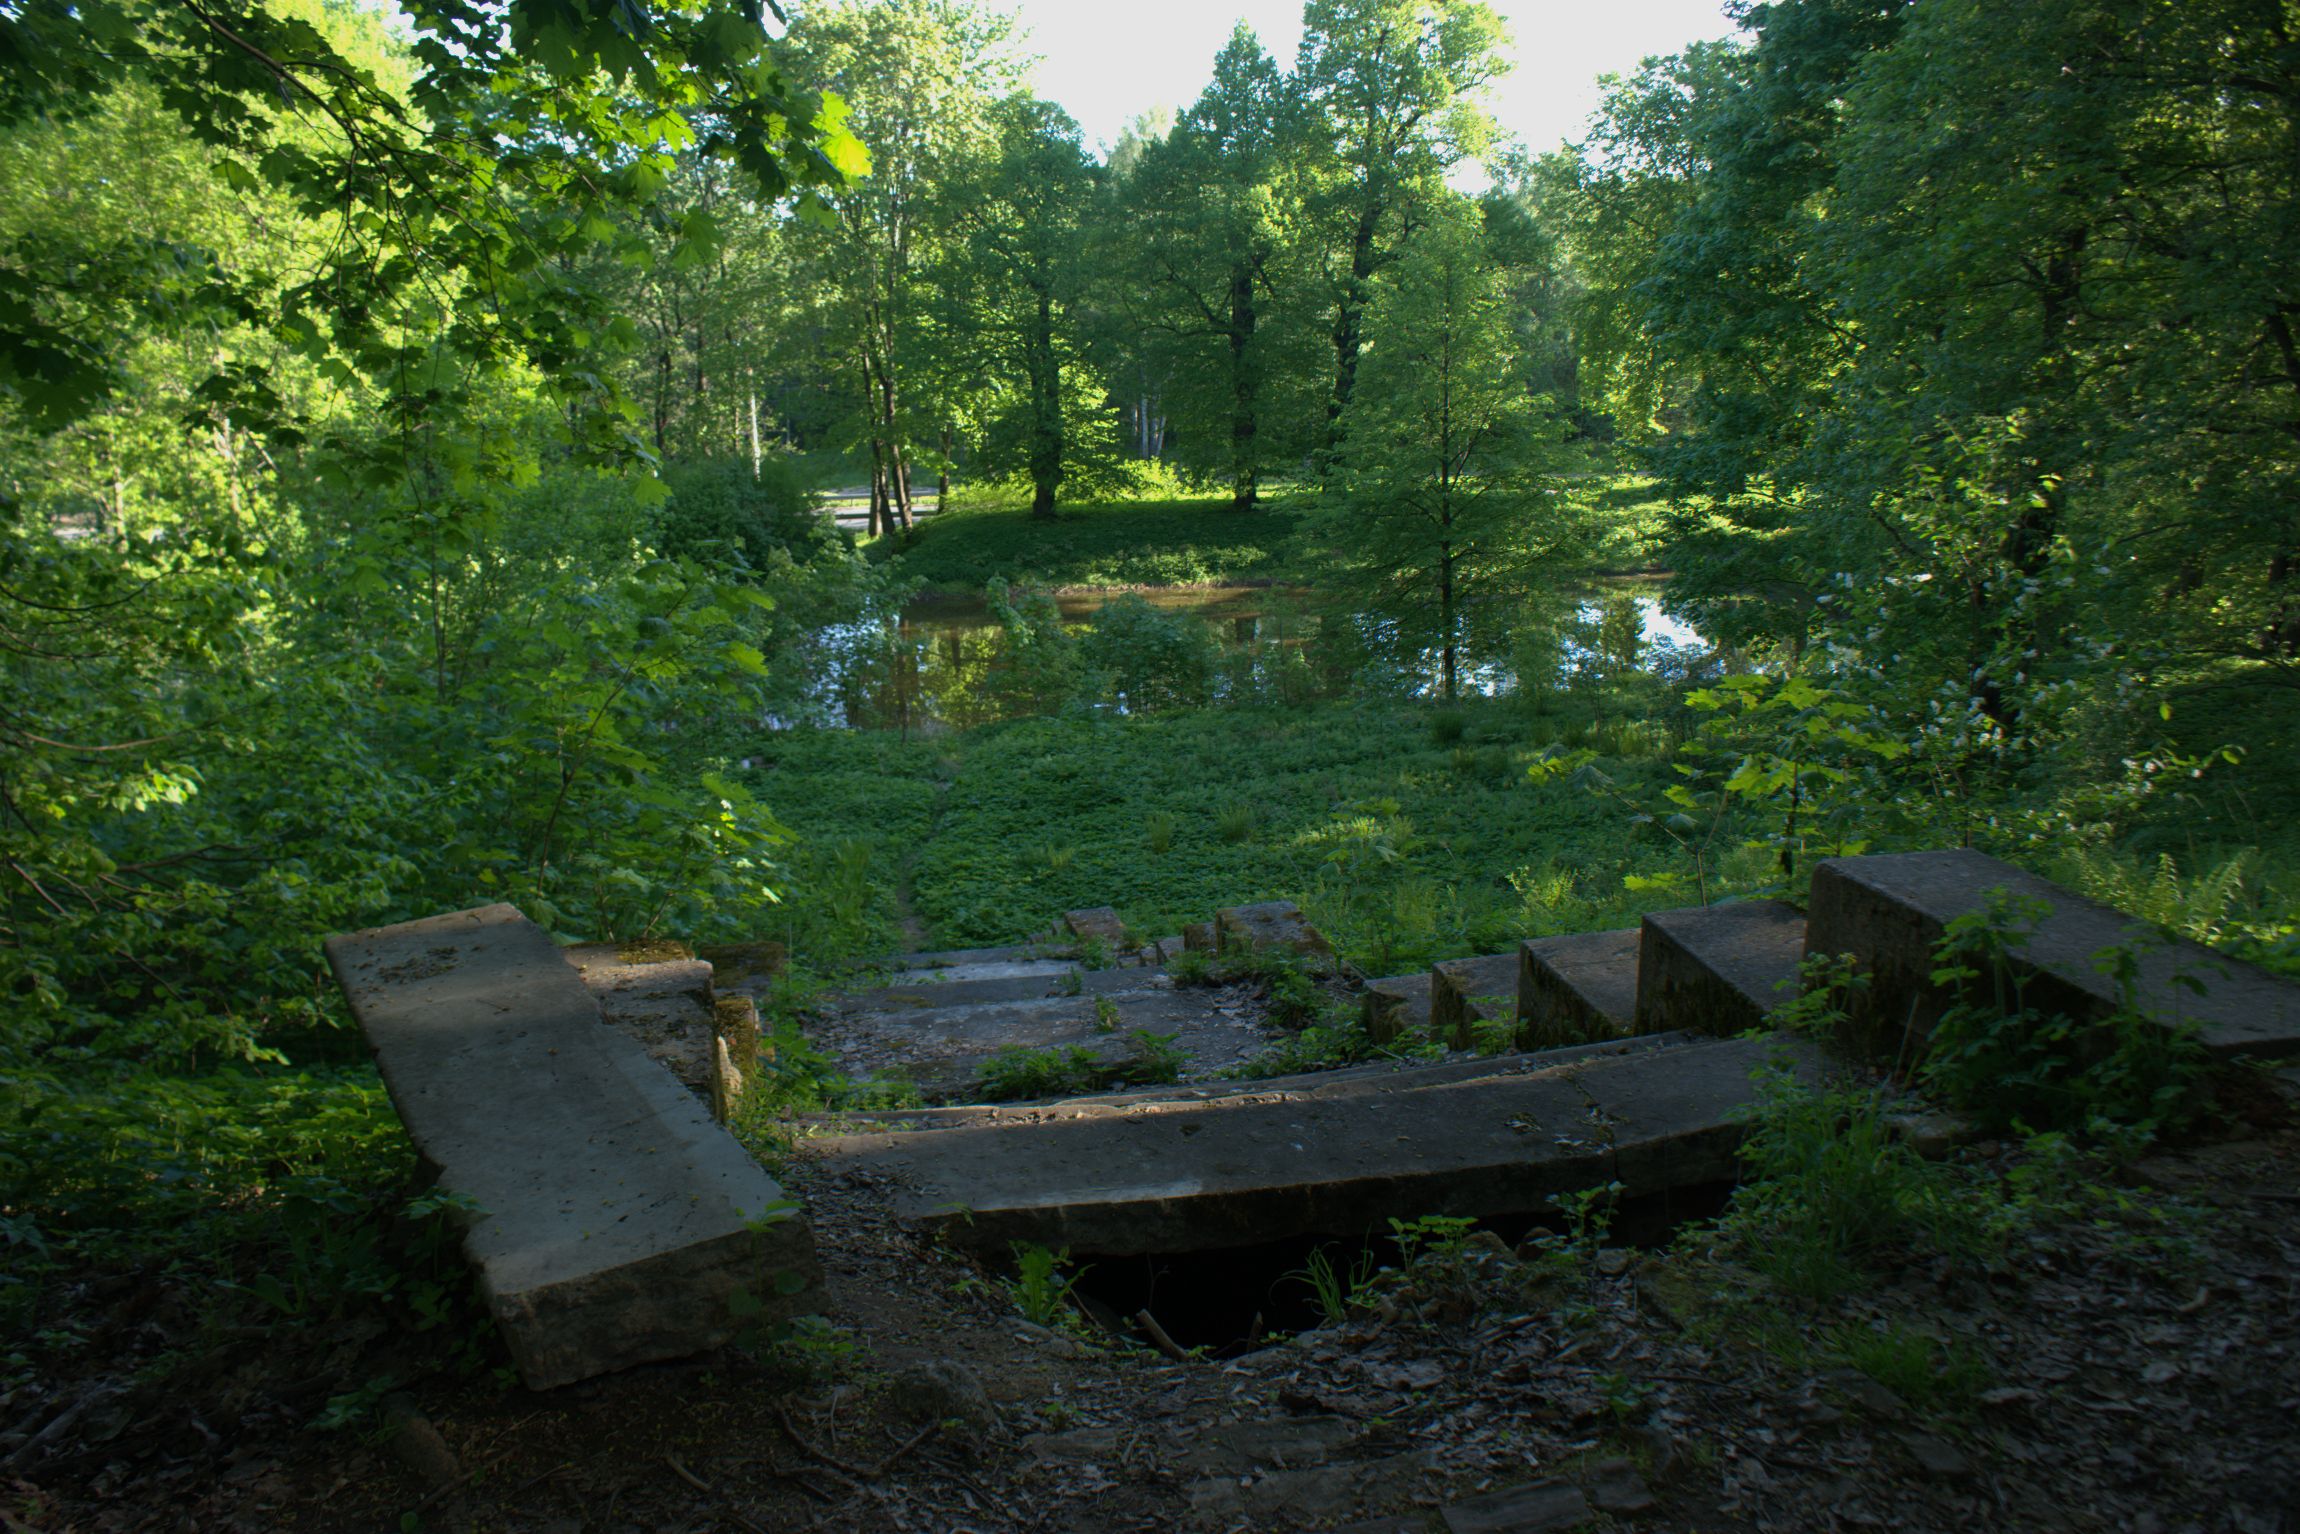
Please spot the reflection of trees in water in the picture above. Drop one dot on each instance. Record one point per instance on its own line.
(955, 666)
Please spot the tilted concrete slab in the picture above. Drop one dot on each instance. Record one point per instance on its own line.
(1717, 969)
(1581, 986)
(1239, 1171)
(617, 1221)
(984, 969)
(1464, 992)
(1343, 1081)
(1890, 912)
(1396, 1007)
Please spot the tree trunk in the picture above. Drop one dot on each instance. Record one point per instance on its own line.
(942, 472)
(1244, 474)
(1446, 620)
(1045, 409)
(1349, 319)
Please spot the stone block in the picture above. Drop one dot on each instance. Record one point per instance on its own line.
(1198, 937)
(1396, 1007)
(1465, 992)
(1717, 969)
(744, 966)
(616, 1223)
(1577, 988)
(1096, 924)
(1271, 924)
(1891, 911)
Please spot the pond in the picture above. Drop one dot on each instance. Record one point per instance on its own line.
(955, 662)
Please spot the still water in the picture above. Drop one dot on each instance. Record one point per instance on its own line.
(954, 662)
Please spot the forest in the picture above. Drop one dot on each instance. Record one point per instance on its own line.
(454, 453)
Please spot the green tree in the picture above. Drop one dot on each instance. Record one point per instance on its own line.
(1209, 234)
(1395, 93)
(921, 78)
(1444, 491)
(1009, 296)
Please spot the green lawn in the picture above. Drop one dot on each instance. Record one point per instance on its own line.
(1407, 849)
(1188, 541)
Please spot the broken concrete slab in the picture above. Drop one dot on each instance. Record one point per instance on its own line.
(1270, 924)
(942, 1050)
(744, 966)
(1096, 924)
(927, 991)
(1891, 911)
(1576, 987)
(1249, 1169)
(957, 958)
(1396, 1007)
(1717, 969)
(658, 993)
(616, 1222)
(1466, 992)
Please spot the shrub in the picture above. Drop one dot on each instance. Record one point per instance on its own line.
(1155, 660)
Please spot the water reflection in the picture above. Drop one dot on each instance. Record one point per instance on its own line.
(953, 663)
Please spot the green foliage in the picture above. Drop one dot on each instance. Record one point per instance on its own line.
(1110, 543)
(1158, 829)
(1153, 659)
(1927, 1373)
(1235, 822)
(1828, 1193)
(1016, 1072)
(2012, 1064)
(1335, 1289)
(1040, 1286)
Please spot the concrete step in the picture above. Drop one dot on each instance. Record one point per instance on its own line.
(1397, 1007)
(949, 958)
(1891, 911)
(980, 969)
(1464, 992)
(616, 1222)
(943, 1049)
(1717, 969)
(1344, 1081)
(926, 988)
(1581, 986)
(1212, 1175)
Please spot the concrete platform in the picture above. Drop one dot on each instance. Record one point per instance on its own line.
(1239, 1171)
(618, 1222)
(1582, 986)
(1464, 992)
(1891, 911)
(1717, 969)
(1396, 1007)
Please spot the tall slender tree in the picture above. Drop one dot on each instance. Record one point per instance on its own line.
(1395, 90)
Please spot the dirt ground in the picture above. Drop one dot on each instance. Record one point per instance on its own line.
(2129, 1367)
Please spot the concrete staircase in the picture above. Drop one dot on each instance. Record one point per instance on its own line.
(616, 1223)
(1634, 1065)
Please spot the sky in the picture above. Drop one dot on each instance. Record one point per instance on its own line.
(1107, 63)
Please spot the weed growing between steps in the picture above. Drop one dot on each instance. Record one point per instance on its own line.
(1015, 1073)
